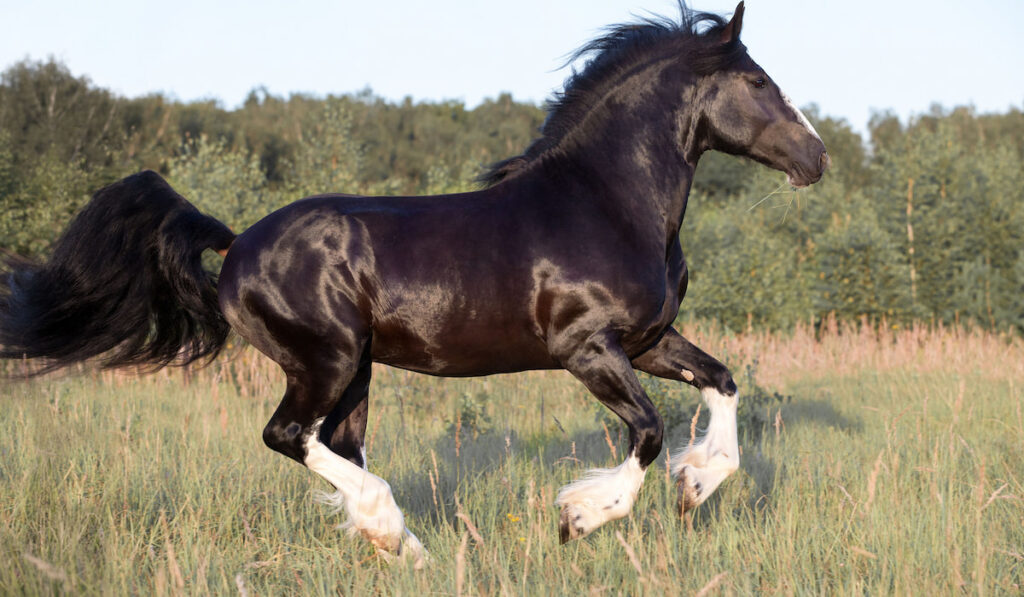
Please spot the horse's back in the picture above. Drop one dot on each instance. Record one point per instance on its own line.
(423, 276)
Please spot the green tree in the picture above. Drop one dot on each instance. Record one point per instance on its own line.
(327, 159)
(953, 204)
(741, 271)
(38, 207)
(49, 112)
(226, 184)
(859, 269)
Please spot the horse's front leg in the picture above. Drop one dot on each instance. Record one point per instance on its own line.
(700, 467)
(607, 494)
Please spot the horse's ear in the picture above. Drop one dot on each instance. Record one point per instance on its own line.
(731, 32)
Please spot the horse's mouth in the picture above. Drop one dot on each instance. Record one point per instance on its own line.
(800, 177)
(799, 181)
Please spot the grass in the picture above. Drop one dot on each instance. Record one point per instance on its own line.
(895, 466)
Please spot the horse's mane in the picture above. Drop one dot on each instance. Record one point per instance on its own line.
(696, 37)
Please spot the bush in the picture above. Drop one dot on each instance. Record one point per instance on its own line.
(470, 415)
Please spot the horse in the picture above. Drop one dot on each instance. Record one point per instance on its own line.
(567, 257)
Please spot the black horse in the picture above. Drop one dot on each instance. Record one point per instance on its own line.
(569, 258)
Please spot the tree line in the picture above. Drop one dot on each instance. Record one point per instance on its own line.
(922, 220)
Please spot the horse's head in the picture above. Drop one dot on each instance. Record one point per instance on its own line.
(745, 113)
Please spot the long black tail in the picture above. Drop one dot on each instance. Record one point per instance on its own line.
(125, 284)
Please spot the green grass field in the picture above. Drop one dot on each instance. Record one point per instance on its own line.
(894, 465)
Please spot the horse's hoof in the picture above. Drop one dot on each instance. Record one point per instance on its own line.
(689, 493)
(391, 544)
(404, 548)
(568, 525)
(414, 551)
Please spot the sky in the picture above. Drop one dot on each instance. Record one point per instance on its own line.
(851, 58)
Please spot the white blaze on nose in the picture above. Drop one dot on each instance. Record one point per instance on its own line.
(800, 116)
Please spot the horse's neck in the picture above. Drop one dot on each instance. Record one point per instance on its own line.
(643, 176)
(641, 150)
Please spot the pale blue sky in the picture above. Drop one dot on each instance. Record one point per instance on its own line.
(847, 56)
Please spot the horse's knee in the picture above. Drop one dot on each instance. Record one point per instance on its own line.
(286, 438)
(720, 379)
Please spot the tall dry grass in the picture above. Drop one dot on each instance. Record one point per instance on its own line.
(895, 466)
(846, 348)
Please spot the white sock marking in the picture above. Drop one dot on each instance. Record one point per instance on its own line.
(603, 494)
(716, 455)
(365, 497)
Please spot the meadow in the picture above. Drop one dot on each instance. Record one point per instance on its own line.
(875, 460)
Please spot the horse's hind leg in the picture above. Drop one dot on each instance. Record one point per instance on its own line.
(344, 428)
(343, 431)
(331, 394)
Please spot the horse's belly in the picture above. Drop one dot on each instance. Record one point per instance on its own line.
(459, 351)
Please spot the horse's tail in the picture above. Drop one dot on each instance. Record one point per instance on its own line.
(125, 284)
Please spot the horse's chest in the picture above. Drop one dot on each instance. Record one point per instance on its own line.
(662, 306)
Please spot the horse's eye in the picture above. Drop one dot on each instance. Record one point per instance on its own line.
(759, 83)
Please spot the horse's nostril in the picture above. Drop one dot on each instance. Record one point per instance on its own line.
(824, 161)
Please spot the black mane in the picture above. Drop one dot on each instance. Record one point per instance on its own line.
(697, 36)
